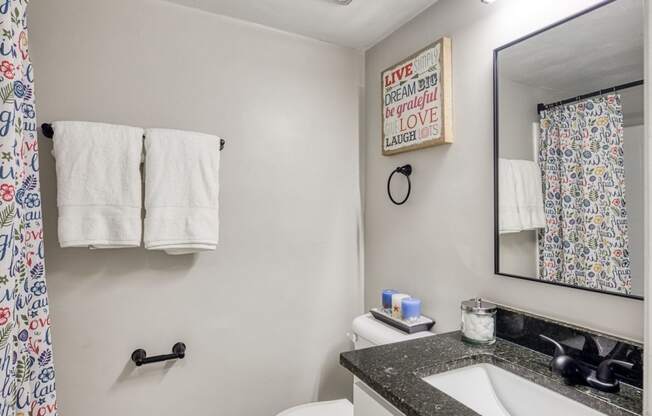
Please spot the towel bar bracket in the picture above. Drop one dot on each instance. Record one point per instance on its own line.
(48, 132)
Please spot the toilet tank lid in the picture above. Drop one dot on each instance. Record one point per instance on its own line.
(379, 333)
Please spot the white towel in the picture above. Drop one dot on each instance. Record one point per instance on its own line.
(508, 217)
(520, 196)
(98, 184)
(181, 191)
(529, 194)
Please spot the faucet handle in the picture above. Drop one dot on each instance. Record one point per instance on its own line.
(605, 372)
(590, 346)
(559, 349)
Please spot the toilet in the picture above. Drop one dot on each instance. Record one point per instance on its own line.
(366, 332)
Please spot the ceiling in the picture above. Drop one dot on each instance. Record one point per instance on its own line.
(595, 51)
(359, 25)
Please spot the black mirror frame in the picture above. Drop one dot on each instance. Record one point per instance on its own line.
(497, 271)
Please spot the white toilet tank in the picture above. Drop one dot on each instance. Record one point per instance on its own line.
(369, 332)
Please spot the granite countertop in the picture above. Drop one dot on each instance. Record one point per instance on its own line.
(395, 371)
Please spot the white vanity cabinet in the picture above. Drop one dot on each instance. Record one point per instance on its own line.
(367, 402)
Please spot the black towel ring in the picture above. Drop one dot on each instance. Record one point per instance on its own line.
(404, 170)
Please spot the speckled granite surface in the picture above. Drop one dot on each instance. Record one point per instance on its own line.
(395, 371)
(589, 346)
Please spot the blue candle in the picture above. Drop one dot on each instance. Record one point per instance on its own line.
(387, 298)
(410, 308)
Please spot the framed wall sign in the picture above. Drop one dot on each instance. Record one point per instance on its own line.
(417, 100)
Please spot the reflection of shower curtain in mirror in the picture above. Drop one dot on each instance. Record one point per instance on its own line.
(585, 241)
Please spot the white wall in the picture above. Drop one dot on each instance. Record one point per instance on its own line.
(634, 146)
(518, 110)
(439, 246)
(265, 316)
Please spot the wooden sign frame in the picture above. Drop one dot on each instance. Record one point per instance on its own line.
(417, 100)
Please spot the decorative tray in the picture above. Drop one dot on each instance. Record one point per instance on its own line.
(421, 324)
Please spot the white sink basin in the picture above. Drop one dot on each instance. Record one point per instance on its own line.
(492, 391)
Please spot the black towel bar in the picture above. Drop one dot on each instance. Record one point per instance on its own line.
(139, 357)
(48, 132)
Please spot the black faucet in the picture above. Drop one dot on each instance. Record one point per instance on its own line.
(575, 371)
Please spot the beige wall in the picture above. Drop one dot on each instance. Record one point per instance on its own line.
(264, 317)
(439, 246)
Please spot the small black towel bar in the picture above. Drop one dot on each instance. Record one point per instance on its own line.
(48, 132)
(139, 357)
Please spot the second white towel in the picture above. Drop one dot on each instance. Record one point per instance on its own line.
(181, 191)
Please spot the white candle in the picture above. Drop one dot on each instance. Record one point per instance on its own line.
(397, 300)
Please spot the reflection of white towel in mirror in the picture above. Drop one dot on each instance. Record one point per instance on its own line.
(535, 141)
(520, 196)
(508, 219)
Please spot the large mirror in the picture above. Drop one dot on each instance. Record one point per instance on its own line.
(569, 157)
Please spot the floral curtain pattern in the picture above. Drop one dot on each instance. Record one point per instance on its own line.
(585, 241)
(27, 385)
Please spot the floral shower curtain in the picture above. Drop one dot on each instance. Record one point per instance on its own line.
(585, 241)
(27, 384)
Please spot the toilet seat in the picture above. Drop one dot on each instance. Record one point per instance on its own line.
(334, 408)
